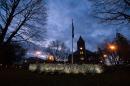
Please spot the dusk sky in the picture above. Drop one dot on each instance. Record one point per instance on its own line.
(60, 15)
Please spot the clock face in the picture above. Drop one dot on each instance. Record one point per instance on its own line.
(82, 58)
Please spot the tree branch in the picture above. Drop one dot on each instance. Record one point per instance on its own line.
(127, 2)
(9, 20)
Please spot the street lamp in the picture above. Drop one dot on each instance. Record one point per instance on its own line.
(105, 55)
(38, 53)
(112, 47)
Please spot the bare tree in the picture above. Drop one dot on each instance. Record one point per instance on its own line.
(58, 49)
(55, 45)
(22, 20)
(112, 11)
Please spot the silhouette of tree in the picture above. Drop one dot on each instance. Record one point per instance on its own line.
(112, 11)
(123, 47)
(120, 55)
(21, 20)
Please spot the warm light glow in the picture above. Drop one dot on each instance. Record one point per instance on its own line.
(81, 48)
(81, 52)
(50, 58)
(105, 55)
(112, 47)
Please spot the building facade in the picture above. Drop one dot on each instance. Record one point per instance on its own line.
(82, 55)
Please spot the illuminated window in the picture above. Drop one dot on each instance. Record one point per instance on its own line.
(81, 52)
(81, 48)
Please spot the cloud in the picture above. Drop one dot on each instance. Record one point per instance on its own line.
(60, 14)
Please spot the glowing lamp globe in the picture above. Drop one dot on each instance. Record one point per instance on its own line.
(38, 53)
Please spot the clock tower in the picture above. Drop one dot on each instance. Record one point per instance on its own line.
(81, 49)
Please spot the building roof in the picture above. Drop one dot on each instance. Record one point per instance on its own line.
(80, 38)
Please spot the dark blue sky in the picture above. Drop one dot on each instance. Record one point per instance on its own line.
(60, 14)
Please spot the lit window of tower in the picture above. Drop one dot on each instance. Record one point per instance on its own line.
(81, 52)
(81, 46)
